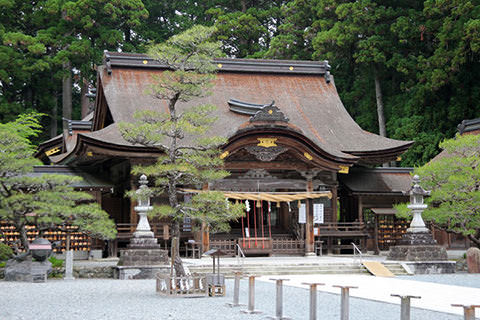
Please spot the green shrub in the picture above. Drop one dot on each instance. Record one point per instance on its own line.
(2, 264)
(56, 263)
(5, 252)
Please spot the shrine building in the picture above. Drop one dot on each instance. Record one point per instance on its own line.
(293, 151)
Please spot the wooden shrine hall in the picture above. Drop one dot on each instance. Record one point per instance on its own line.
(290, 140)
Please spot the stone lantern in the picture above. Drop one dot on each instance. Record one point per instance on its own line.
(417, 193)
(143, 258)
(417, 245)
(143, 228)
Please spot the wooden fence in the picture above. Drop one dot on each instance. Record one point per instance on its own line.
(186, 286)
(227, 246)
(288, 246)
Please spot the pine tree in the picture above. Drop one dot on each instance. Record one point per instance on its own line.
(190, 158)
(47, 201)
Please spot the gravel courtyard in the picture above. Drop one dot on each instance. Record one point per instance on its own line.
(136, 299)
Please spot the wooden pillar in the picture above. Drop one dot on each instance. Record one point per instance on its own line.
(334, 204)
(205, 231)
(360, 209)
(309, 236)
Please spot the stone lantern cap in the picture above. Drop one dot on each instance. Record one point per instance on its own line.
(417, 192)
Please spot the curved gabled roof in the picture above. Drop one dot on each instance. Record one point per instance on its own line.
(302, 91)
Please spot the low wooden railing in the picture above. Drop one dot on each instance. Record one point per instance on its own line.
(161, 230)
(227, 246)
(342, 229)
(288, 246)
(185, 286)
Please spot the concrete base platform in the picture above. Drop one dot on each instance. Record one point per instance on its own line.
(139, 272)
(431, 267)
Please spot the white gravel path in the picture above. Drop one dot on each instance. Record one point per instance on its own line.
(136, 299)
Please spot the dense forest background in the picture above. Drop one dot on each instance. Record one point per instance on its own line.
(407, 69)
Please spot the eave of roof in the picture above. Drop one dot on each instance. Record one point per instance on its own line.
(469, 125)
(88, 182)
(378, 181)
(136, 60)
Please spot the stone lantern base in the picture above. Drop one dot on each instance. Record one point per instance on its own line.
(142, 259)
(417, 246)
(421, 253)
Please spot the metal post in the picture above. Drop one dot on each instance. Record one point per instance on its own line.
(468, 310)
(279, 300)
(313, 298)
(236, 291)
(405, 305)
(344, 306)
(251, 297)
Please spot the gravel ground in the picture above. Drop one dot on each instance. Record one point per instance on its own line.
(136, 299)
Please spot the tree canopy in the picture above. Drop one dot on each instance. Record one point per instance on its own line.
(454, 178)
(420, 57)
(46, 201)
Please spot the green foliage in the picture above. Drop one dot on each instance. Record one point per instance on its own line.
(56, 263)
(47, 201)
(455, 183)
(5, 252)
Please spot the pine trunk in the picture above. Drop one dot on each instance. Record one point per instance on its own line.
(85, 102)
(380, 109)
(67, 91)
(53, 116)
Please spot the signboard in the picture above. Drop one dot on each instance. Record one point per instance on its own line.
(318, 213)
(247, 233)
(302, 213)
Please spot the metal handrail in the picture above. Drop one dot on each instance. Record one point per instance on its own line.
(360, 254)
(240, 253)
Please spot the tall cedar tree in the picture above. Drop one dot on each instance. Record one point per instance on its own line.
(454, 204)
(47, 201)
(190, 157)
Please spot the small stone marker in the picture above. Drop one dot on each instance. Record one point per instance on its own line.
(251, 297)
(473, 260)
(405, 305)
(279, 300)
(468, 310)
(68, 265)
(344, 306)
(313, 298)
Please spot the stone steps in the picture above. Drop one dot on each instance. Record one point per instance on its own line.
(294, 269)
(284, 269)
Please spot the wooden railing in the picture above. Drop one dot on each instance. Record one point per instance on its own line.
(186, 286)
(342, 229)
(288, 246)
(227, 246)
(161, 230)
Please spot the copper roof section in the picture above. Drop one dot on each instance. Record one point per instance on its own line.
(300, 89)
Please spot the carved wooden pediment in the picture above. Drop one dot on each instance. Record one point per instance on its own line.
(266, 153)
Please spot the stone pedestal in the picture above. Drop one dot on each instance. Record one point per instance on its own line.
(418, 246)
(142, 259)
(27, 270)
